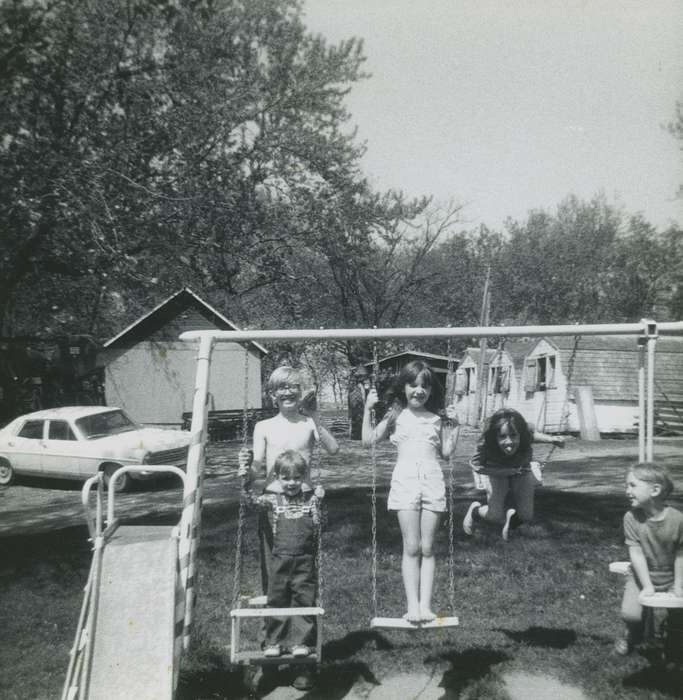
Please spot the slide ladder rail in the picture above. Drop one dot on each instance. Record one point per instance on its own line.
(76, 675)
(100, 531)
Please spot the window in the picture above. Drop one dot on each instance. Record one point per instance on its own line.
(32, 429)
(60, 430)
(464, 381)
(103, 424)
(499, 381)
(540, 373)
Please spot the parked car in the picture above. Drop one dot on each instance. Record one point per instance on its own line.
(75, 442)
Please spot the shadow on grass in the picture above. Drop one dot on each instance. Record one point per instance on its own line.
(541, 637)
(656, 678)
(333, 681)
(354, 642)
(468, 666)
(216, 683)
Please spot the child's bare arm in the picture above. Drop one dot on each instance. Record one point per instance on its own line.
(640, 569)
(256, 456)
(370, 436)
(545, 437)
(678, 574)
(327, 440)
(309, 407)
(450, 431)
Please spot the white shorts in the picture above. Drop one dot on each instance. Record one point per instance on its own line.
(417, 491)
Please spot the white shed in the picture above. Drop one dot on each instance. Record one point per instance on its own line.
(150, 373)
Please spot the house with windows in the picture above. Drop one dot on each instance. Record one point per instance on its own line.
(542, 378)
(150, 373)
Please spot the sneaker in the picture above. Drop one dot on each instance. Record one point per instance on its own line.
(300, 650)
(508, 519)
(468, 522)
(272, 651)
(622, 646)
(537, 471)
(304, 681)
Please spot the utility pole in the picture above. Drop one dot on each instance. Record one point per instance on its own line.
(482, 368)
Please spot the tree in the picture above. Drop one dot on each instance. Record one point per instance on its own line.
(554, 269)
(141, 142)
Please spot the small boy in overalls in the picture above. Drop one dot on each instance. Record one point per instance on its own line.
(293, 512)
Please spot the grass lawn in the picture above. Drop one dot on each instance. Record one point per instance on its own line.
(542, 603)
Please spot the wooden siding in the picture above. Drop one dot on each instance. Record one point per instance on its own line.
(154, 381)
(609, 364)
(189, 319)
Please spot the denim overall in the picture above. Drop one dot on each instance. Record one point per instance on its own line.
(292, 581)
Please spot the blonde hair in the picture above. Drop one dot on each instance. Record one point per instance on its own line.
(290, 463)
(283, 375)
(654, 474)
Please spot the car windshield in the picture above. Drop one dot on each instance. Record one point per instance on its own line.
(102, 424)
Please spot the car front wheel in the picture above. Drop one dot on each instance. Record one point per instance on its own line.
(6, 473)
(122, 483)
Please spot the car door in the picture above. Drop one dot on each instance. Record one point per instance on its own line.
(61, 455)
(27, 447)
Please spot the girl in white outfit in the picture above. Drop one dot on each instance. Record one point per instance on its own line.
(418, 492)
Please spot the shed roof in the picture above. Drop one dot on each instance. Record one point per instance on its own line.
(475, 353)
(438, 362)
(150, 322)
(609, 364)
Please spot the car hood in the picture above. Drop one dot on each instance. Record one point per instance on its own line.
(150, 439)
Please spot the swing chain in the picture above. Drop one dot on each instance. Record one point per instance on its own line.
(564, 413)
(245, 407)
(321, 517)
(451, 529)
(237, 574)
(450, 373)
(373, 452)
(450, 381)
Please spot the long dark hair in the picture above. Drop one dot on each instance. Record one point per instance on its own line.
(506, 416)
(410, 373)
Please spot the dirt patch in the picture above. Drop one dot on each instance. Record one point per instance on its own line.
(522, 686)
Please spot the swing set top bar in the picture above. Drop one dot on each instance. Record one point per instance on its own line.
(641, 328)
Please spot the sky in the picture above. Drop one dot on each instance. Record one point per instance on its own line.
(505, 107)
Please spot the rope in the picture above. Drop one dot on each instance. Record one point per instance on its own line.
(237, 573)
(373, 452)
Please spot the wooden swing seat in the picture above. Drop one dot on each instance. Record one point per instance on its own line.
(400, 623)
(258, 600)
(276, 612)
(657, 600)
(256, 658)
(661, 600)
(620, 567)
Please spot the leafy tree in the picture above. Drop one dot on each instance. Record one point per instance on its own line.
(146, 145)
(554, 269)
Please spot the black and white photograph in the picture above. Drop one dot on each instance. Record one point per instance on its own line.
(341, 349)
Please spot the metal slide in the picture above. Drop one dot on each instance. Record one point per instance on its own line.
(132, 653)
(128, 639)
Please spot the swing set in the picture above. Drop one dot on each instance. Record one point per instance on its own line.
(646, 332)
(257, 605)
(400, 623)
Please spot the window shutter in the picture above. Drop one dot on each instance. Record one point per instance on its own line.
(505, 380)
(460, 382)
(530, 380)
(550, 371)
